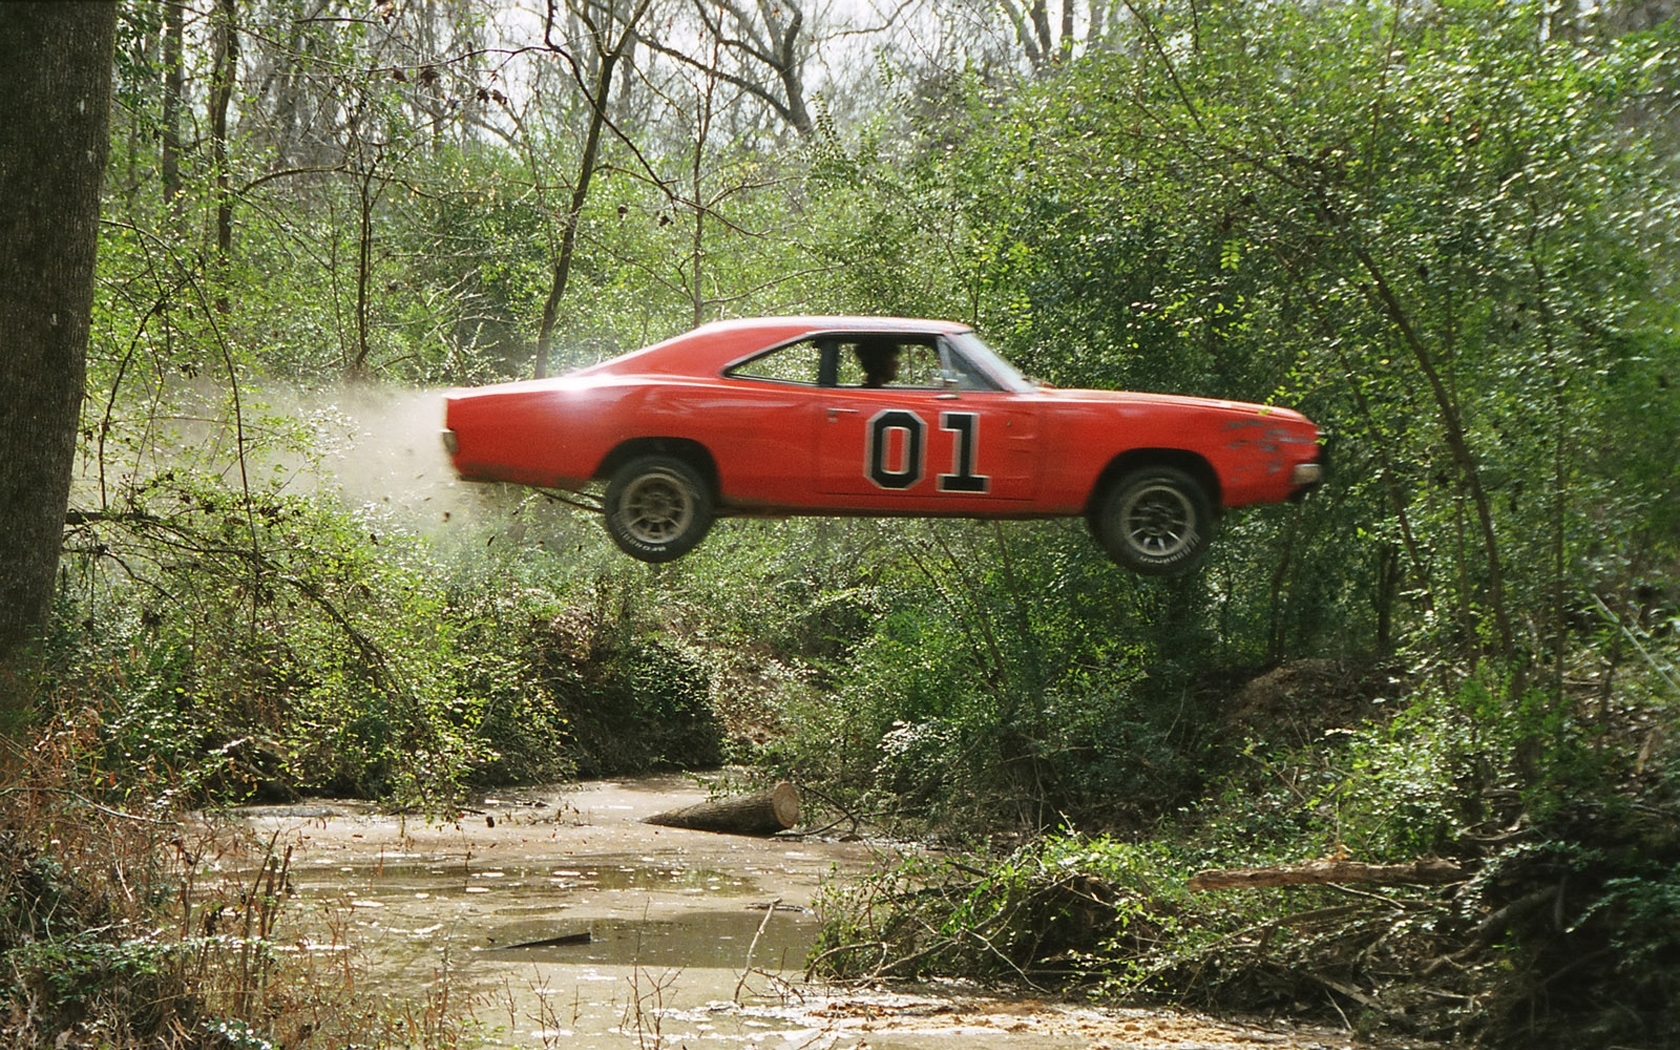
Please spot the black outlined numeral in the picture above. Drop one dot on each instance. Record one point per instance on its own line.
(966, 425)
(895, 458)
(906, 468)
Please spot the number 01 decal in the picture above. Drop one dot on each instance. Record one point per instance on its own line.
(897, 450)
(964, 451)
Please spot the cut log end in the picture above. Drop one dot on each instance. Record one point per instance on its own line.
(758, 813)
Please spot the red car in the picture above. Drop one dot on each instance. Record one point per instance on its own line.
(875, 416)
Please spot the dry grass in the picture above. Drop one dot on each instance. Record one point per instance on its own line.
(126, 922)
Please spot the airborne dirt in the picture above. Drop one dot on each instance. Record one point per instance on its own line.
(565, 921)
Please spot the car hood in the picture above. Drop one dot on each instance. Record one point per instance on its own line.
(1199, 404)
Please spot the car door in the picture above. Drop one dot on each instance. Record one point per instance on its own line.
(759, 425)
(931, 437)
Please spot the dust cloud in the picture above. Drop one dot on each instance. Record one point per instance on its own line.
(375, 450)
(380, 448)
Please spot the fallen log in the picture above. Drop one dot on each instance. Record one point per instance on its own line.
(1427, 872)
(563, 940)
(758, 813)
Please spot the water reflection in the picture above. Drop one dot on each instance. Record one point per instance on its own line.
(696, 939)
(406, 877)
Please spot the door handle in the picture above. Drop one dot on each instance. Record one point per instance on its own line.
(945, 397)
(836, 413)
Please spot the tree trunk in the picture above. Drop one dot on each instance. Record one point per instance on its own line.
(174, 89)
(760, 813)
(55, 95)
(574, 215)
(598, 96)
(364, 268)
(225, 67)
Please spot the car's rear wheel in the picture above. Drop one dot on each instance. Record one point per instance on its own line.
(1156, 521)
(658, 508)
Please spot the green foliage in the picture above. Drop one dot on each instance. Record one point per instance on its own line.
(1399, 788)
(1063, 909)
(1580, 886)
(83, 976)
(1450, 285)
(287, 645)
(969, 699)
(1646, 927)
(635, 702)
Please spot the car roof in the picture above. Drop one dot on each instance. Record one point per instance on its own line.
(710, 347)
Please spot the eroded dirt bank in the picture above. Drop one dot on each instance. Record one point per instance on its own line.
(569, 923)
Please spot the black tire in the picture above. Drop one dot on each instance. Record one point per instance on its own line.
(658, 508)
(1156, 521)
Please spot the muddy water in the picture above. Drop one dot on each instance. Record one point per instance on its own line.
(568, 922)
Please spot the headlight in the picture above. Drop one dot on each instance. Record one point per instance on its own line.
(1307, 474)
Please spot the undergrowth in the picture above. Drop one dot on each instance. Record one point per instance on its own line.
(126, 921)
(1558, 925)
(280, 645)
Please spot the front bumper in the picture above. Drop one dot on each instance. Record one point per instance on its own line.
(1308, 476)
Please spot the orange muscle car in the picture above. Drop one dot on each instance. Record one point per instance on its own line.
(875, 416)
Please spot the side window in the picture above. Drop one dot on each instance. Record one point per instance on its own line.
(887, 361)
(849, 365)
(968, 376)
(798, 363)
(918, 365)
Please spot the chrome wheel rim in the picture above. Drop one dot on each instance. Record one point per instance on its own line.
(657, 508)
(1158, 520)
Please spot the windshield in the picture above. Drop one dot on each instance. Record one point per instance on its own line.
(976, 352)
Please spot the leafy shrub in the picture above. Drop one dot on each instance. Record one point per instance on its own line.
(302, 647)
(1066, 908)
(632, 702)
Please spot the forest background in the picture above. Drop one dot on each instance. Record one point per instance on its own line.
(1443, 231)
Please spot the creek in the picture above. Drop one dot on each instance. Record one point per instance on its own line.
(562, 920)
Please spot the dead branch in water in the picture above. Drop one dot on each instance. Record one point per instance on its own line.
(1429, 871)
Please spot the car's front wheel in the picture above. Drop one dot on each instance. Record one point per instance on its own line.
(1156, 521)
(658, 508)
